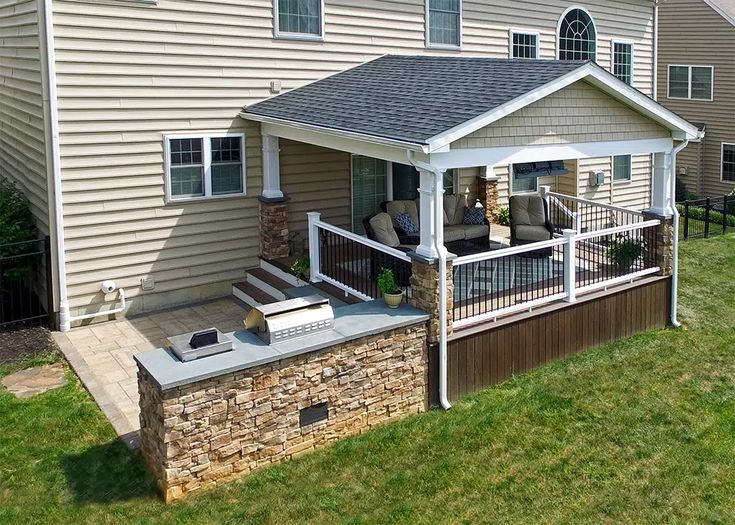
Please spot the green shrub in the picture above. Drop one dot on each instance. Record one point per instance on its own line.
(387, 282)
(301, 266)
(17, 223)
(623, 253)
(504, 216)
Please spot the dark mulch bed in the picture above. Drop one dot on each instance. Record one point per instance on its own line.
(18, 345)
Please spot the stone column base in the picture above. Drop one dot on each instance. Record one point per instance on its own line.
(489, 196)
(274, 228)
(425, 294)
(660, 242)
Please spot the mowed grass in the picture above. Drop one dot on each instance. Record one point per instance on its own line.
(640, 431)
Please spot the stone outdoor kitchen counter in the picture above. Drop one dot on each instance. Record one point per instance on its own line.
(350, 323)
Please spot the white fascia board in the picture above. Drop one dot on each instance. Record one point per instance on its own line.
(333, 141)
(336, 135)
(596, 76)
(720, 11)
(501, 156)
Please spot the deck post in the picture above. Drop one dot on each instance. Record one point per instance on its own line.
(570, 265)
(489, 195)
(660, 242)
(271, 168)
(315, 264)
(662, 174)
(428, 208)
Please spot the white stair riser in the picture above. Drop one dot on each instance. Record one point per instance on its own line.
(245, 298)
(285, 276)
(267, 288)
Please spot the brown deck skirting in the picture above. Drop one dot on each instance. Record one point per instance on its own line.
(491, 353)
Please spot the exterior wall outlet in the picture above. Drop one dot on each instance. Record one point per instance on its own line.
(147, 284)
(275, 86)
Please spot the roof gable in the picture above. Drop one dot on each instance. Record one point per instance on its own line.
(725, 8)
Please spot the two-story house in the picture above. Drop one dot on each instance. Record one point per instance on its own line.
(696, 76)
(122, 121)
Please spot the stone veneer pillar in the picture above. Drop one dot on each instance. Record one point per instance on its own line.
(660, 241)
(489, 196)
(425, 294)
(274, 228)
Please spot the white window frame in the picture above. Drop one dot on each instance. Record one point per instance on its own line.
(512, 176)
(632, 58)
(689, 92)
(514, 32)
(722, 162)
(630, 171)
(277, 33)
(427, 31)
(558, 30)
(206, 137)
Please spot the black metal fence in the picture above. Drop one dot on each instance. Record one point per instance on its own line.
(357, 265)
(704, 218)
(26, 288)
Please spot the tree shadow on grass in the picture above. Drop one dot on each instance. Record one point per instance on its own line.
(108, 473)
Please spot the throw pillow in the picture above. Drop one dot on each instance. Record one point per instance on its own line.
(405, 222)
(474, 216)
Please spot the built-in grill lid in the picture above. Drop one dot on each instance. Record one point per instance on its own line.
(291, 319)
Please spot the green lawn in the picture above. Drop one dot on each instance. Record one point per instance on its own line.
(638, 431)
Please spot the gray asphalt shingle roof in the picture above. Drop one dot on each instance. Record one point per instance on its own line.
(411, 98)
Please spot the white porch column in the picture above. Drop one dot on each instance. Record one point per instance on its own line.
(661, 186)
(428, 208)
(271, 168)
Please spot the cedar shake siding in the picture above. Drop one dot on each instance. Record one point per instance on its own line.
(693, 33)
(129, 73)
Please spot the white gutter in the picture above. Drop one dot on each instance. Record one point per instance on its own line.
(442, 256)
(55, 160)
(675, 214)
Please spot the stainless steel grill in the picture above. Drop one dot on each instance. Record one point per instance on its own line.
(290, 319)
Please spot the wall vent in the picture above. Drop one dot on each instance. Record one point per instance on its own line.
(313, 414)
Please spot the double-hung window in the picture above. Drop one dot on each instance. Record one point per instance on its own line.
(444, 23)
(524, 45)
(691, 82)
(728, 162)
(203, 166)
(622, 61)
(622, 168)
(299, 19)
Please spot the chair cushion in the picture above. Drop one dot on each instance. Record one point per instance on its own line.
(396, 208)
(406, 223)
(474, 216)
(454, 207)
(525, 232)
(476, 231)
(383, 230)
(527, 209)
(454, 233)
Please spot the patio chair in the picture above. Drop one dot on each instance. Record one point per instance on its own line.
(529, 223)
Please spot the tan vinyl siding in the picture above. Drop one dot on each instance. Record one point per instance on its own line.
(128, 73)
(315, 179)
(692, 33)
(578, 113)
(22, 135)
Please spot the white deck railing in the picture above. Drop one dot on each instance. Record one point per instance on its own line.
(494, 284)
(583, 215)
(350, 261)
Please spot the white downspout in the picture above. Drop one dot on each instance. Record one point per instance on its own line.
(655, 50)
(675, 214)
(442, 256)
(55, 160)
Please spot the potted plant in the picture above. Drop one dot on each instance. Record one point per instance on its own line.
(624, 252)
(392, 294)
(300, 267)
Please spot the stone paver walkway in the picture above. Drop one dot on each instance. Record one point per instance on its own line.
(33, 381)
(102, 354)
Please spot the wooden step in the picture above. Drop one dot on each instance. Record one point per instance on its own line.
(251, 294)
(269, 283)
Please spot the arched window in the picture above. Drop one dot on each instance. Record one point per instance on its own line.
(577, 36)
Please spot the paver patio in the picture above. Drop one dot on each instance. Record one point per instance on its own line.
(102, 354)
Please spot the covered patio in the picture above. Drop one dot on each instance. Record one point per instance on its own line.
(438, 114)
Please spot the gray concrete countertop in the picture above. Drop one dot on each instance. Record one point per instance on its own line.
(350, 323)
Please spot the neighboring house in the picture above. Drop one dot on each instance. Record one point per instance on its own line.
(127, 136)
(696, 79)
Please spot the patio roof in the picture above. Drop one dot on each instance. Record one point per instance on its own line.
(426, 102)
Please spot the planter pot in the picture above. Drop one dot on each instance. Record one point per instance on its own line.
(393, 300)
